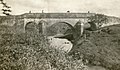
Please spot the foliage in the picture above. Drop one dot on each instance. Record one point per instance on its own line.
(100, 48)
(2, 19)
(6, 9)
(30, 51)
(98, 19)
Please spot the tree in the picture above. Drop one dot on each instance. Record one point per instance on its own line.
(6, 9)
(98, 20)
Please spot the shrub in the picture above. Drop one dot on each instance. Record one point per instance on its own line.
(31, 51)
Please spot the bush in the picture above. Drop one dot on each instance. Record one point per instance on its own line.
(31, 51)
(100, 48)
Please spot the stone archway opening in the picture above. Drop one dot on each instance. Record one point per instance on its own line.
(31, 27)
(59, 28)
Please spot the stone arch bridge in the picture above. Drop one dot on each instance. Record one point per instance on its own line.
(41, 21)
(45, 20)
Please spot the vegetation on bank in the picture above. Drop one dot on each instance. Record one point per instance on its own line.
(30, 51)
(101, 48)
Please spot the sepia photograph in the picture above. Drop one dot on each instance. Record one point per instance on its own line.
(59, 34)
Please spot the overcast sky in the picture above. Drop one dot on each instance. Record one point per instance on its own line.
(109, 7)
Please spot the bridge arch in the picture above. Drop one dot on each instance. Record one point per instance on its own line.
(59, 28)
(31, 27)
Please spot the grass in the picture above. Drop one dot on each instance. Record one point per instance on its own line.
(31, 51)
(101, 48)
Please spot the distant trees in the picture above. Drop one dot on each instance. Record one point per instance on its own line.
(6, 9)
(97, 19)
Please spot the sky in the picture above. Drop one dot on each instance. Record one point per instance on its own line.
(108, 7)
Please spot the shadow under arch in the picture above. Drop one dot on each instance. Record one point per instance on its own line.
(31, 27)
(60, 28)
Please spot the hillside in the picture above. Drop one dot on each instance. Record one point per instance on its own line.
(111, 20)
(100, 47)
(31, 51)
